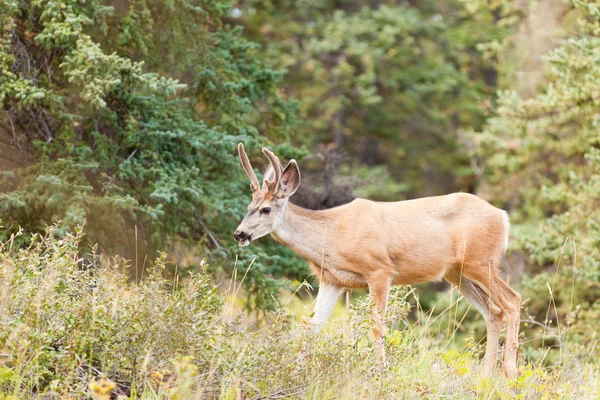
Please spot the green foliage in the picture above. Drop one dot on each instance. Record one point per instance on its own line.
(541, 155)
(130, 129)
(125, 116)
(393, 84)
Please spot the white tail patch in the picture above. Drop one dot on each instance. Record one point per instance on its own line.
(506, 229)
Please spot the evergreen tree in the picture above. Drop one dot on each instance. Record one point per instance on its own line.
(542, 160)
(391, 83)
(127, 117)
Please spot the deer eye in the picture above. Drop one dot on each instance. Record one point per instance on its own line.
(265, 210)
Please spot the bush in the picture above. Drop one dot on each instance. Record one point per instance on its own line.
(66, 322)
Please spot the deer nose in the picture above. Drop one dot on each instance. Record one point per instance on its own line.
(240, 235)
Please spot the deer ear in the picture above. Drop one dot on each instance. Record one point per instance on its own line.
(290, 180)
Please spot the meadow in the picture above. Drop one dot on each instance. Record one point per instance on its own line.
(84, 330)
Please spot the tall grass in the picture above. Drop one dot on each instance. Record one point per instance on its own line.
(73, 328)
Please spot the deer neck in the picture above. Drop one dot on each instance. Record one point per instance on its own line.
(308, 233)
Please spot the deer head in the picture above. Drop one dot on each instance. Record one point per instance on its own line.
(267, 208)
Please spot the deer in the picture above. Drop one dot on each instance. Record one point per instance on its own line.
(458, 237)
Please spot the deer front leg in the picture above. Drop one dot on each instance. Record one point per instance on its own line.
(379, 291)
(326, 299)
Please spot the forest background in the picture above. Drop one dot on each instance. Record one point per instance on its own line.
(122, 117)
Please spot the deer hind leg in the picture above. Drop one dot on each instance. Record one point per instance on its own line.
(490, 312)
(511, 305)
(509, 302)
(379, 291)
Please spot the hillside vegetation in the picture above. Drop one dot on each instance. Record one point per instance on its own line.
(120, 189)
(73, 330)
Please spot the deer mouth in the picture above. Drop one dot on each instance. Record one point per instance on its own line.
(246, 241)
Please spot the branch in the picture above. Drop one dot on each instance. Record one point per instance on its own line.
(208, 232)
(131, 155)
(547, 113)
(46, 128)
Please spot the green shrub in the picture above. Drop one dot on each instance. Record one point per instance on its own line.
(66, 320)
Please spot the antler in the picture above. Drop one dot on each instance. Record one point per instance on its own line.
(248, 168)
(276, 164)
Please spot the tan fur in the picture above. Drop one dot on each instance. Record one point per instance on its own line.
(459, 237)
(408, 242)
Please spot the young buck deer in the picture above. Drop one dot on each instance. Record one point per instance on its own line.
(368, 244)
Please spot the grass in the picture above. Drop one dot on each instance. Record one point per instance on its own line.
(73, 328)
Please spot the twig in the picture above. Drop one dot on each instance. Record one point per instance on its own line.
(531, 321)
(131, 155)
(208, 232)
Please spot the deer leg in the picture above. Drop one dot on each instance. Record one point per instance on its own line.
(326, 299)
(511, 303)
(379, 291)
(482, 303)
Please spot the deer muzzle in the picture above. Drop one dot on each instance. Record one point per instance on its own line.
(243, 237)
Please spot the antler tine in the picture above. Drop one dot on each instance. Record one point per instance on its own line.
(277, 168)
(248, 168)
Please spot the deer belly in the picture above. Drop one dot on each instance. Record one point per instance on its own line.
(408, 274)
(340, 277)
